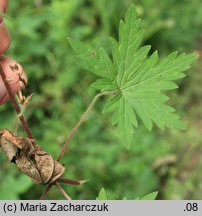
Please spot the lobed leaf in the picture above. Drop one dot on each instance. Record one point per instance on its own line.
(139, 80)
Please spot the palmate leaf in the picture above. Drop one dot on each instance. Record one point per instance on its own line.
(140, 81)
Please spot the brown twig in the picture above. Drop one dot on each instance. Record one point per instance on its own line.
(71, 181)
(82, 119)
(46, 191)
(15, 105)
(62, 191)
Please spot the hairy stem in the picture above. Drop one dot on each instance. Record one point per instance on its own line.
(81, 120)
(15, 104)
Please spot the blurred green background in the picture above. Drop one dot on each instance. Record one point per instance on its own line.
(166, 161)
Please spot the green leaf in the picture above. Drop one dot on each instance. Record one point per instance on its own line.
(13, 186)
(104, 85)
(110, 72)
(98, 62)
(89, 57)
(125, 118)
(112, 103)
(140, 80)
(151, 196)
(102, 195)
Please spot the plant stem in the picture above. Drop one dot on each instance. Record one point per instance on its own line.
(15, 105)
(70, 181)
(82, 119)
(62, 191)
(46, 191)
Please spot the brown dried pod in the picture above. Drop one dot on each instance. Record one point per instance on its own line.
(7, 146)
(29, 168)
(30, 158)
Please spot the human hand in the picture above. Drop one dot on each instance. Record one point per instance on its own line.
(4, 34)
(13, 71)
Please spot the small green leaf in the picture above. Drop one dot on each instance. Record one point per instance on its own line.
(102, 195)
(151, 196)
(104, 85)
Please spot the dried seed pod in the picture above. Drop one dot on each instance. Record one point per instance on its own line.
(30, 158)
(44, 163)
(27, 167)
(7, 146)
(15, 75)
(58, 169)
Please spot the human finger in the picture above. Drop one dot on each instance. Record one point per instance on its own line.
(15, 76)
